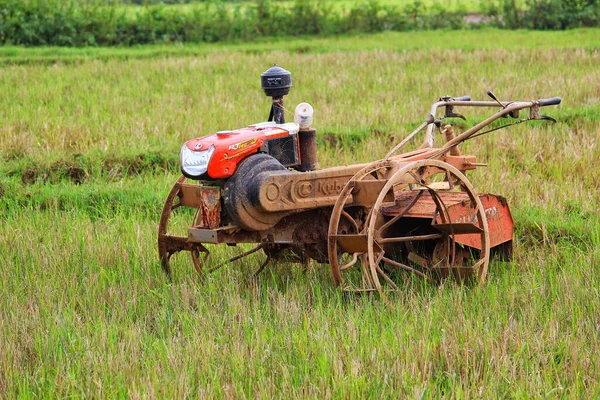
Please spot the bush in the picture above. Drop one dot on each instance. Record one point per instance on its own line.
(108, 23)
(545, 14)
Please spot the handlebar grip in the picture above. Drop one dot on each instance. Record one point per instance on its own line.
(463, 98)
(549, 102)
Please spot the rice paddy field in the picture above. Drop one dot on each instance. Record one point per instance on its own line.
(89, 145)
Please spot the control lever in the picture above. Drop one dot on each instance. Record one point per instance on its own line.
(449, 113)
(542, 103)
(513, 114)
(493, 96)
(546, 118)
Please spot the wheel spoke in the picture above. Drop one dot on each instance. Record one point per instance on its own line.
(387, 278)
(449, 180)
(357, 216)
(351, 263)
(410, 238)
(416, 242)
(237, 257)
(367, 281)
(401, 214)
(421, 261)
(405, 267)
(352, 220)
(440, 205)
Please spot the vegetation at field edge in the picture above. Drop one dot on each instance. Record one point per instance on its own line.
(107, 23)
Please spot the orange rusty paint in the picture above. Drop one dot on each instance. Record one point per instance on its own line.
(498, 215)
(210, 217)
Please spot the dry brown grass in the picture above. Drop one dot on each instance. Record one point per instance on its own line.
(86, 311)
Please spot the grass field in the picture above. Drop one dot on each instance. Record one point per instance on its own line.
(89, 143)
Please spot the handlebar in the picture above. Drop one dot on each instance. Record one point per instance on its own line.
(549, 102)
(507, 108)
(463, 98)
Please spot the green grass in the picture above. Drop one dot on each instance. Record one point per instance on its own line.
(468, 40)
(89, 142)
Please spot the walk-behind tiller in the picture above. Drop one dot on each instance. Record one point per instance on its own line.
(413, 212)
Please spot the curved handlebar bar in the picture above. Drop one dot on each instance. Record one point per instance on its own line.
(507, 108)
(550, 102)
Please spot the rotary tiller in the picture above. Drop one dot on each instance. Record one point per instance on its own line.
(415, 211)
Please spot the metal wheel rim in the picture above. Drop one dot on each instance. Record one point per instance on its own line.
(481, 265)
(165, 251)
(338, 210)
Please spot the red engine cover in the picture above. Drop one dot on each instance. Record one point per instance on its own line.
(231, 147)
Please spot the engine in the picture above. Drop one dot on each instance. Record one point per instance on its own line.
(292, 144)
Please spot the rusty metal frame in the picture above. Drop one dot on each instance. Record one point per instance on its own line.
(358, 199)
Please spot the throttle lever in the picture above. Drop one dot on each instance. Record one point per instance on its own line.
(449, 112)
(547, 118)
(493, 96)
(534, 114)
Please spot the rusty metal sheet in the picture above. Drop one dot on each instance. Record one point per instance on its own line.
(365, 192)
(207, 199)
(225, 234)
(458, 228)
(211, 207)
(425, 207)
(189, 195)
(355, 243)
(198, 235)
(352, 243)
(498, 215)
(499, 220)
